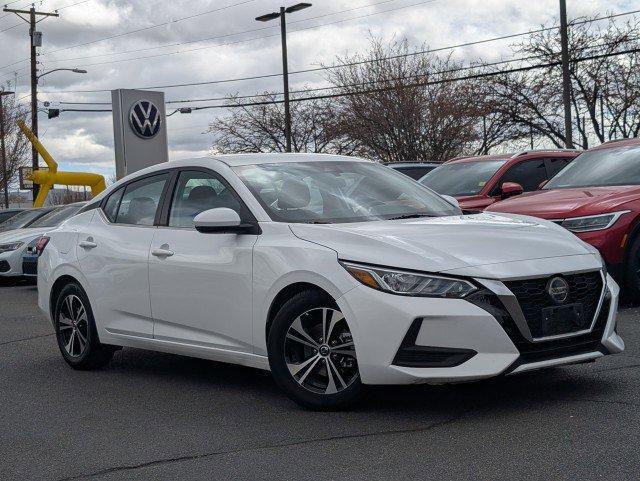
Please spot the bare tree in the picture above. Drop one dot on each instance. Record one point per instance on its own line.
(16, 144)
(605, 88)
(402, 106)
(260, 128)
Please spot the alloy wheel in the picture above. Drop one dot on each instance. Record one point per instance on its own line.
(319, 351)
(73, 325)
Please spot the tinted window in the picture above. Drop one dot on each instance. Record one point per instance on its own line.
(197, 192)
(414, 172)
(529, 174)
(461, 178)
(326, 192)
(140, 201)
(4, 215)
(23, 219)
(113, 202)
(57, 216)
(556, 165)
(615, 166)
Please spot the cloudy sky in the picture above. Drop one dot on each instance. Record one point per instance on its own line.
(146, 43)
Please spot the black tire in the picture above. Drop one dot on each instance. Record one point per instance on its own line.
(87, 355)
(307, 305)
(632, 274)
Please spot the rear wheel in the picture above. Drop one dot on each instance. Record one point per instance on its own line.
(76, 331)
(633, 270)
(312, 354)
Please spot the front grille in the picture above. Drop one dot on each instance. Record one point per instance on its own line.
(584, 290)
(544, 350)
(4, 266)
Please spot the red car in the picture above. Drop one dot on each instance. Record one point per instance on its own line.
(598, 198)
(478, 182)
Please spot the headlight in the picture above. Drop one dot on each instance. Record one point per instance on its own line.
(409, 283)
(10, 247)
(592, 222)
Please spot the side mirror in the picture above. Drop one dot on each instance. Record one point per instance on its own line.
(542, 184)
(452, 200)
(221, 220)
(511, 189)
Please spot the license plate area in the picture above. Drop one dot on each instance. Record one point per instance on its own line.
(564, 319)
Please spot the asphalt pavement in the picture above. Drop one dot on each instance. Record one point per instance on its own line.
(151, 416)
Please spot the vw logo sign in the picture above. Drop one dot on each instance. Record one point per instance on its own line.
(558, 290)
(145, 119)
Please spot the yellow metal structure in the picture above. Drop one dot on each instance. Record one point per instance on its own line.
(46, 179)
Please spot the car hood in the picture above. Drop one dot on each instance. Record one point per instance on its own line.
(22, 234)
(445, 243)
(562, 203)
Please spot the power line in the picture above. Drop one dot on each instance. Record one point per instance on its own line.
(195, 49)
(150, 27)
(416, 84)
(188, 42)
(322, 68)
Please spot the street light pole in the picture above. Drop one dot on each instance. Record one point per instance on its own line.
(285, 64)
(3, 153)
(566, 79)
(285, 78)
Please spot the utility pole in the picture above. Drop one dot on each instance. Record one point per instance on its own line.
(35, 40)
(3, 153)
(566, 79)
(285, 66)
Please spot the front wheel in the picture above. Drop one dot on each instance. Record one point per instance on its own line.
(633, 270)
(312, 354)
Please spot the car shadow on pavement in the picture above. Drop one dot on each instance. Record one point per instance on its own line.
(17, 281)
(133, 369)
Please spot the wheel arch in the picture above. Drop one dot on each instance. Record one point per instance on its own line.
(284, 295)
(56, 288)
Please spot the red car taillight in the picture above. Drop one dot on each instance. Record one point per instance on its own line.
(41, 244)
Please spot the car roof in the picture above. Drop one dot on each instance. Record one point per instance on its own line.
(233, 160)
(527, 153)
(479, 158)
(398, 165)
(614, 144)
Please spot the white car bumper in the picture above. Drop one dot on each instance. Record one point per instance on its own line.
(466, 338)
(11, 263)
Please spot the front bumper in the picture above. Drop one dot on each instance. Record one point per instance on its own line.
(11, 263)
(380, 322)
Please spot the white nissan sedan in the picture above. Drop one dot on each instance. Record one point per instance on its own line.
(332, 272)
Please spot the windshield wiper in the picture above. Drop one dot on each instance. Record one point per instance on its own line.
(410, 216)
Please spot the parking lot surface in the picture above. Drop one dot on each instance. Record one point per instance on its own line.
(158, 416)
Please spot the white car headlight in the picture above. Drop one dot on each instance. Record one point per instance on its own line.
(592, 222)
(409, 283)
(12, 246)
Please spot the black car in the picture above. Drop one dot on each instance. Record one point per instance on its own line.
(415, 170)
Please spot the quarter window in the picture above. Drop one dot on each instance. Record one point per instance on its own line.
(140, 201)
(111, 206)
(196, 192)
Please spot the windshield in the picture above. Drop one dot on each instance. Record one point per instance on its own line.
(57, 216)
(461, 178)
(599, 168)
(23, 219)
(327, 192)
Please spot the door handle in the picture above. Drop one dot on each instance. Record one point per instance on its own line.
(88, 244)
(162, 252)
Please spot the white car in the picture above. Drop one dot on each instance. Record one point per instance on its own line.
(14, 243)
(332, 272)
